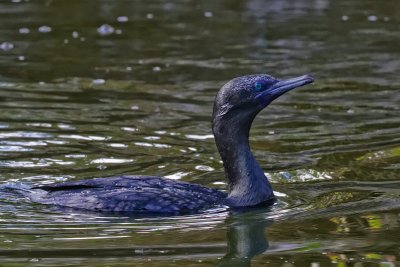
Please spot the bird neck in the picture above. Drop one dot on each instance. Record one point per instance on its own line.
(248, 185)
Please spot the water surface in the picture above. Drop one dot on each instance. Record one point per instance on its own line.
(98, 88)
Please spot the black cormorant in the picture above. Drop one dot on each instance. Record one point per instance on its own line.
(235, 107)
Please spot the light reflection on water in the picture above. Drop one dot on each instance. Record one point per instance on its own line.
(129, 91)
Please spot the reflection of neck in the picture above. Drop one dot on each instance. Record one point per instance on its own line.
(246, 239)
(248, 185)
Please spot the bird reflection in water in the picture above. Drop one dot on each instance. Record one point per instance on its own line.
(246, 238)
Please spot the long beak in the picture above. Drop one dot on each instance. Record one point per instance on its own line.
(284, 86)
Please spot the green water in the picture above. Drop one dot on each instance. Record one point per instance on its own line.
(98, 88)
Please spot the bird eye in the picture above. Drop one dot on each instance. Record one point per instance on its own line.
(258, 86)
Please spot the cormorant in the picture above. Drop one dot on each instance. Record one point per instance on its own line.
(235, 107)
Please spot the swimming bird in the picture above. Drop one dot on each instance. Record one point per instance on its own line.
(236, 105)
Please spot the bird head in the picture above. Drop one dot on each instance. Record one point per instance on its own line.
(240, 99)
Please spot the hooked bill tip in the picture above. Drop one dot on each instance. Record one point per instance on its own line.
(308, 78)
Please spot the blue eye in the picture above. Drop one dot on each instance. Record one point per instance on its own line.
(258, 86)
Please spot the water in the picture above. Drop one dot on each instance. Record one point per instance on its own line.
(98, 88)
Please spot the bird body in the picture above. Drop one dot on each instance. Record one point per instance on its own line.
(235, 107)
(139, 194)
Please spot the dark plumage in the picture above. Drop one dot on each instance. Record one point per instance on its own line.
(235, 107)
(129, 193)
